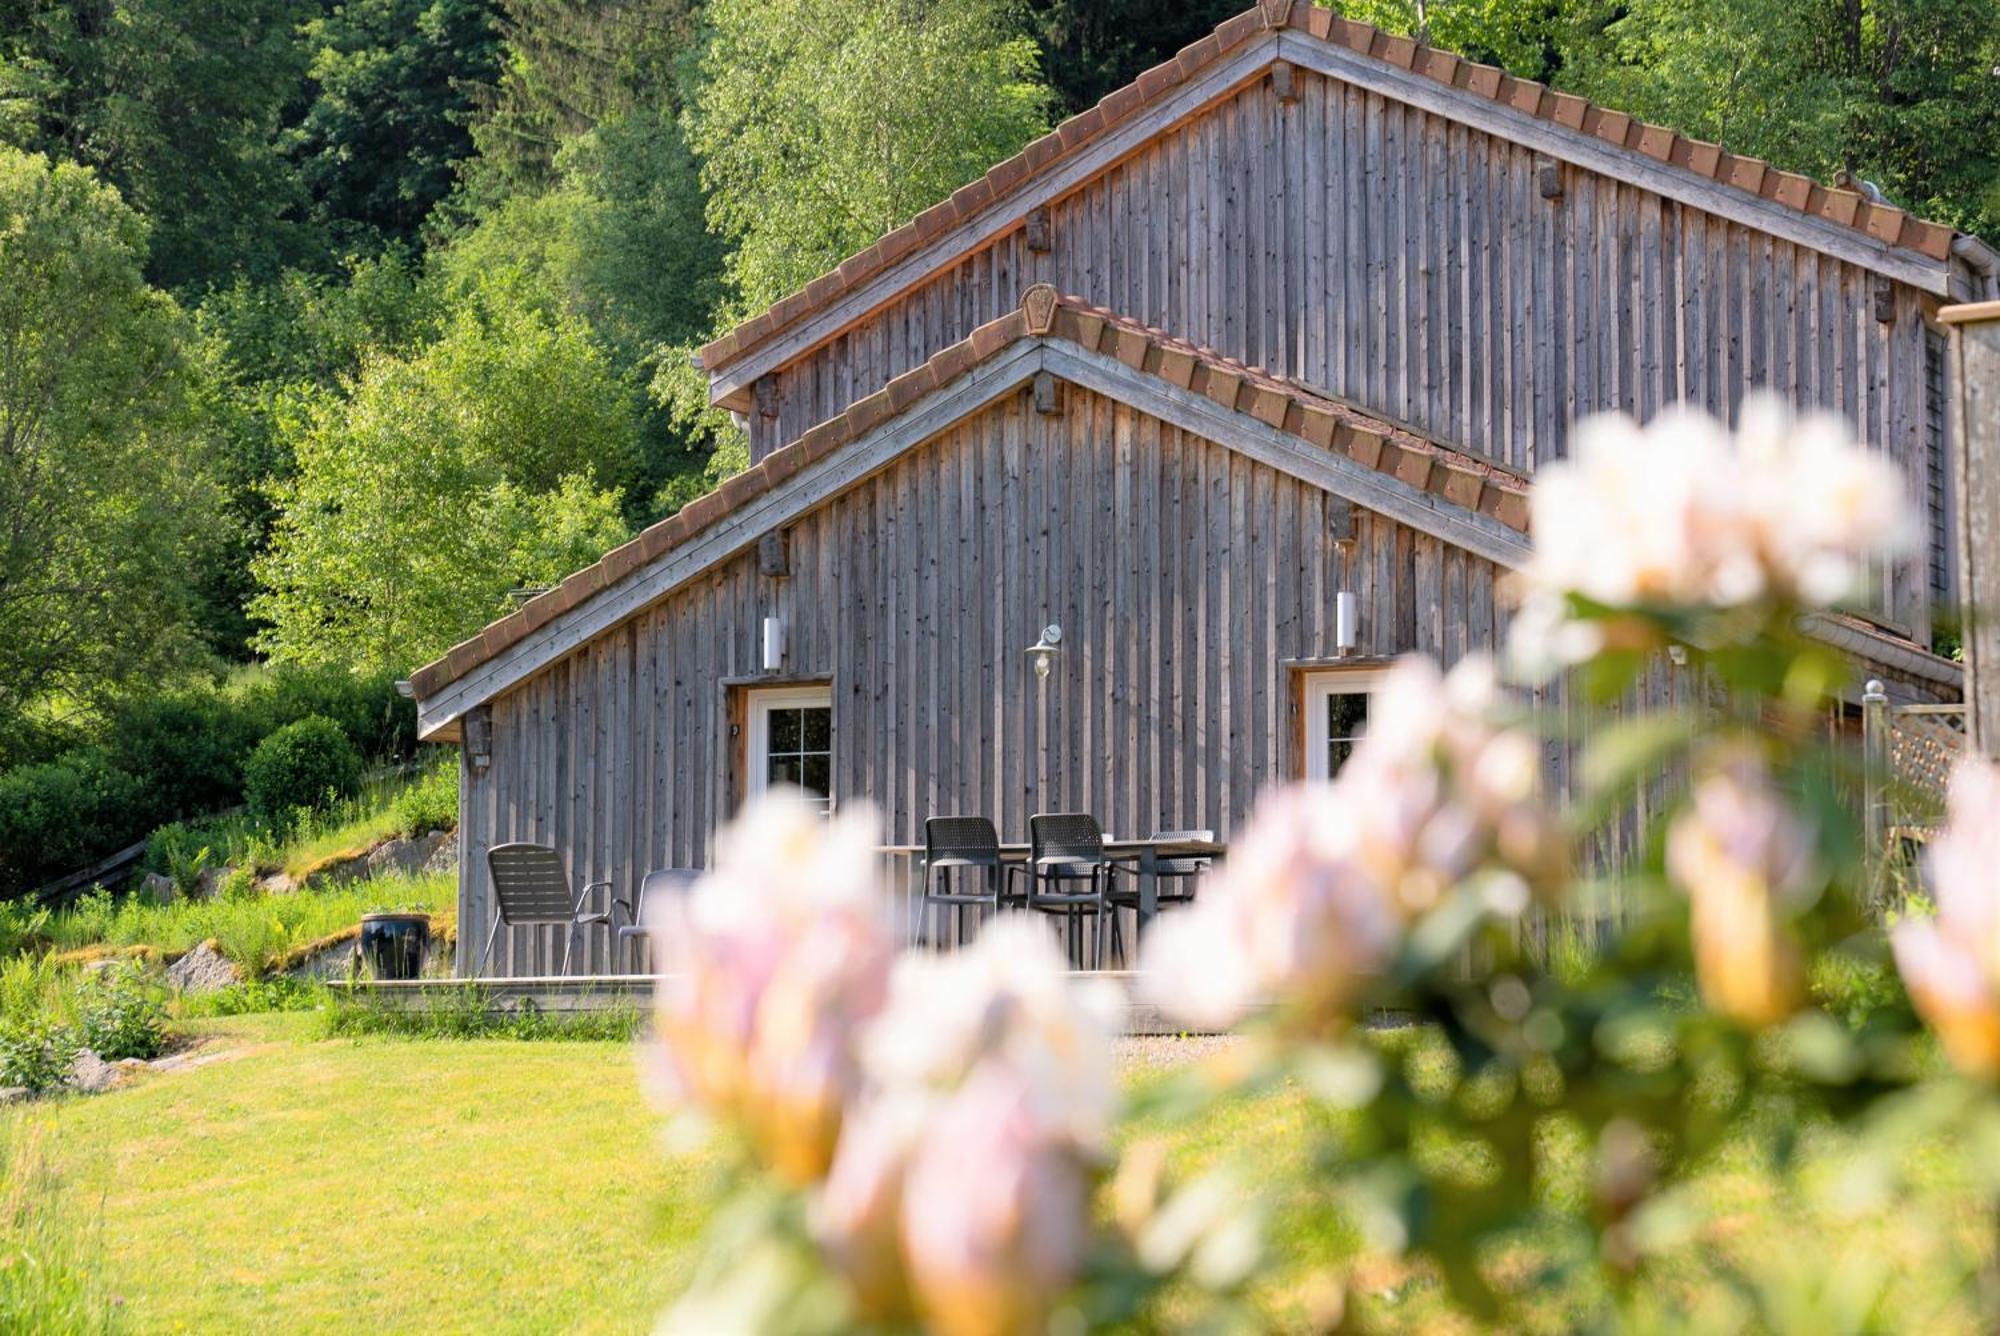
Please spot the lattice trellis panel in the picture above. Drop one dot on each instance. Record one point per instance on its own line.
(1923, 747)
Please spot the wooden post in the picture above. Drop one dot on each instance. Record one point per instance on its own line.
(1875, 778)
(1975, 448)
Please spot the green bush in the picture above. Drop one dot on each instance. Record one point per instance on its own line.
(174, 756)
(187, 746)
(304, 766)
(464, 1014)
(37, 1052)
(57, 817)
(22, 926)
(255, 996)
(123, 1016)
(376, 718)
(431, 803)
(181, 854)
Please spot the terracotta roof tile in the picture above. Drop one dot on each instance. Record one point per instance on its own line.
(1610, 126)
(1483, 80)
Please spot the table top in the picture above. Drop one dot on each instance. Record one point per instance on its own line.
(1172, 848)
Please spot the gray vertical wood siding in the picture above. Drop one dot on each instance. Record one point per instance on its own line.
(1409, 264)
(1185, 578)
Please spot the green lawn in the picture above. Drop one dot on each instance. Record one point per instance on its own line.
(499, 1185)
(382, 1185)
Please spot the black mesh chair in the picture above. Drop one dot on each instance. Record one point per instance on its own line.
(1178, 879)
(531, 888)
(1069, 874)
(962, 869)
(635, 930)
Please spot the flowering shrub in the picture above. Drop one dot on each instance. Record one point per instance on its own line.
(921, 1140)
(1952, 962)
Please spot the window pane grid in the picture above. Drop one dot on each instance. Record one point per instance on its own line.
(799, 750)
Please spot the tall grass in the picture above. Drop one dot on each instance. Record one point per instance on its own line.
(35, 987)
(464, 1013)
(48, 1259)
(253, 930)
(386, 805)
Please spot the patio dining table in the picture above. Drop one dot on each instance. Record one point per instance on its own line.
(1145, 857)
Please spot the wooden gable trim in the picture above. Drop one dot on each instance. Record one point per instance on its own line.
(1332, 447)
(1834, 221)
(731, 376)
(1595, 154)
(804, 490)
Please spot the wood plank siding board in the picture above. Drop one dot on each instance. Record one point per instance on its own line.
(1117, 730)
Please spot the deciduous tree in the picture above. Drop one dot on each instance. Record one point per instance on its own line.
(822, 124)
(436, 484)
(103, 500)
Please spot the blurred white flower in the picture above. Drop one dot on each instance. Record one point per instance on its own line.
(1683, 514)
(1951, 963)
(1316, 892)
(1745, 862)
(781, 954)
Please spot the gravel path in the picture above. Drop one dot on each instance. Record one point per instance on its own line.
(1164, 1050)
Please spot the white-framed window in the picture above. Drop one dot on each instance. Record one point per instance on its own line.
(1336, 712)
(791, 741)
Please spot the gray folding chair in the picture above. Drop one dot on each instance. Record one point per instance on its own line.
(661, 881)
(531, 888)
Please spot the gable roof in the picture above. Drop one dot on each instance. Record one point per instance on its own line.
(1564, 124)
(1471, 502)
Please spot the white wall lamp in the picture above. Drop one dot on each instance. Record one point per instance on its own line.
(1346, 621)
(774, 643)
(1044, 651)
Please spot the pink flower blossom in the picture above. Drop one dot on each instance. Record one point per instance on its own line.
(1682, 514)
(996, 1210)
(1951, 963)
(1318, 889)
(960, 1187)
(1745, 862)
(782, 953)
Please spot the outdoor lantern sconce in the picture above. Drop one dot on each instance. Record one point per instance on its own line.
(1044, 651)
(774, 644)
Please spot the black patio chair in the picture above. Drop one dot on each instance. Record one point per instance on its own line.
(635, 930)
(958, 850)
(1178, 881)
(1068, 874)
(531, 888)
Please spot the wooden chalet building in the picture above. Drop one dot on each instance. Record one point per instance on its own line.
(1298, 312)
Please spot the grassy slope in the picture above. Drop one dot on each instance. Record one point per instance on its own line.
(384, 1185)
(505, 1186)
